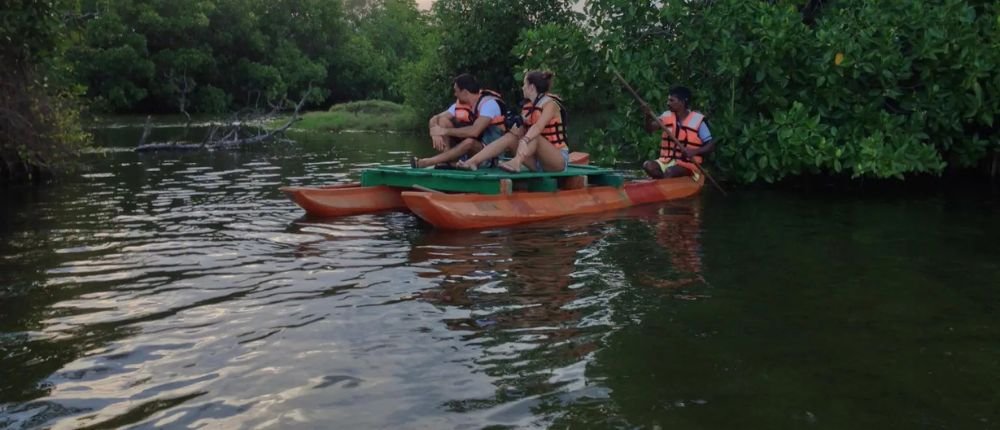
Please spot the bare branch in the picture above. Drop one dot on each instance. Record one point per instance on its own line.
(232, 137)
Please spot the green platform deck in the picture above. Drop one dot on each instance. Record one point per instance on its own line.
(485, 181)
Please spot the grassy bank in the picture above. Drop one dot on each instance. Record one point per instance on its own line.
(367, 115)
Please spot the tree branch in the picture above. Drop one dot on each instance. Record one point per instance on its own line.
(231, 137)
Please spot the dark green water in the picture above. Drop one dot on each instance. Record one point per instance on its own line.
(183, 290)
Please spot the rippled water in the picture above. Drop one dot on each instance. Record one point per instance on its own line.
(182, 290)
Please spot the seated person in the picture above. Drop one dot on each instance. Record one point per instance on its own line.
(473, 121)
(542, 146)
(688, 139)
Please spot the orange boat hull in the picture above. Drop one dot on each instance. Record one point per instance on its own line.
(466, 211)
(345, 199)
(353, 199)
(660, 190)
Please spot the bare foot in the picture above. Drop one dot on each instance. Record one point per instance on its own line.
(511, 166)
(465, 165)
(418, 163)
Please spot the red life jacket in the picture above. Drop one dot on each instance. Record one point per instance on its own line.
(555, 130)
(686, 133)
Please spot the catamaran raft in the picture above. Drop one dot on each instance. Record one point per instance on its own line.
(460, 199)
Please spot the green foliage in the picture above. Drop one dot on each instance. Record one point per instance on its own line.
(428, 87)
(388, 35)
(32, 29)
(371, 107)
(873, 89)
(114, 62)
(478, 37)
(363, 74)
(135, 52)
(210, 99)
(862, 89)
(367, 115)
(564, 49)
(40, 132)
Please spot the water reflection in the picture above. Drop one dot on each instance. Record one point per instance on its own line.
(526, 297)
(174, 291)
(538, 299)
(144, 291)
(675, 230)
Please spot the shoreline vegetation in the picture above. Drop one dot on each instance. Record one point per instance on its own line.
(365, 115)
(792, 89)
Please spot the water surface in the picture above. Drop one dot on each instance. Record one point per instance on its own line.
(183, 290)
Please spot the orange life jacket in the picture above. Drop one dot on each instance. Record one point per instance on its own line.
(555, 130)
(686, 133)
(463, 113)
(466, 114)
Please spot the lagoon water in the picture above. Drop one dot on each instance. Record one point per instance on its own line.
(183, 290)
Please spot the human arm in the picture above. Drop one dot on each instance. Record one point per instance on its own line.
(437, 141)
(488, 110)
(705, 148)
(549, 111)
(475, 130)
(446, 114)
(708, 143)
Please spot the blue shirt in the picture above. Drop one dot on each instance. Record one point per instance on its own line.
(489, 108)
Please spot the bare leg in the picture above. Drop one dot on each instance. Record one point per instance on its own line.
(523, 154)
(541, 149)
(467, 146)
(676, 171)
(550, 157)
(493, 150)
(445, 122)
(442, 143)
(652, 169)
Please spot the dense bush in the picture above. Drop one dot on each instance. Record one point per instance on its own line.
(565, 50)
(368, 115)
(791, 87)
(478, 37)
(393, 35)
(866, 89)
(370, 107)
(40, 131)
(136, 55)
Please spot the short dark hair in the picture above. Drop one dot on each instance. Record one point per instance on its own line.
(541, 80)
(467, 82)
(681, 93)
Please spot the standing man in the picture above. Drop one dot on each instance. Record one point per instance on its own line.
(681, 150)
